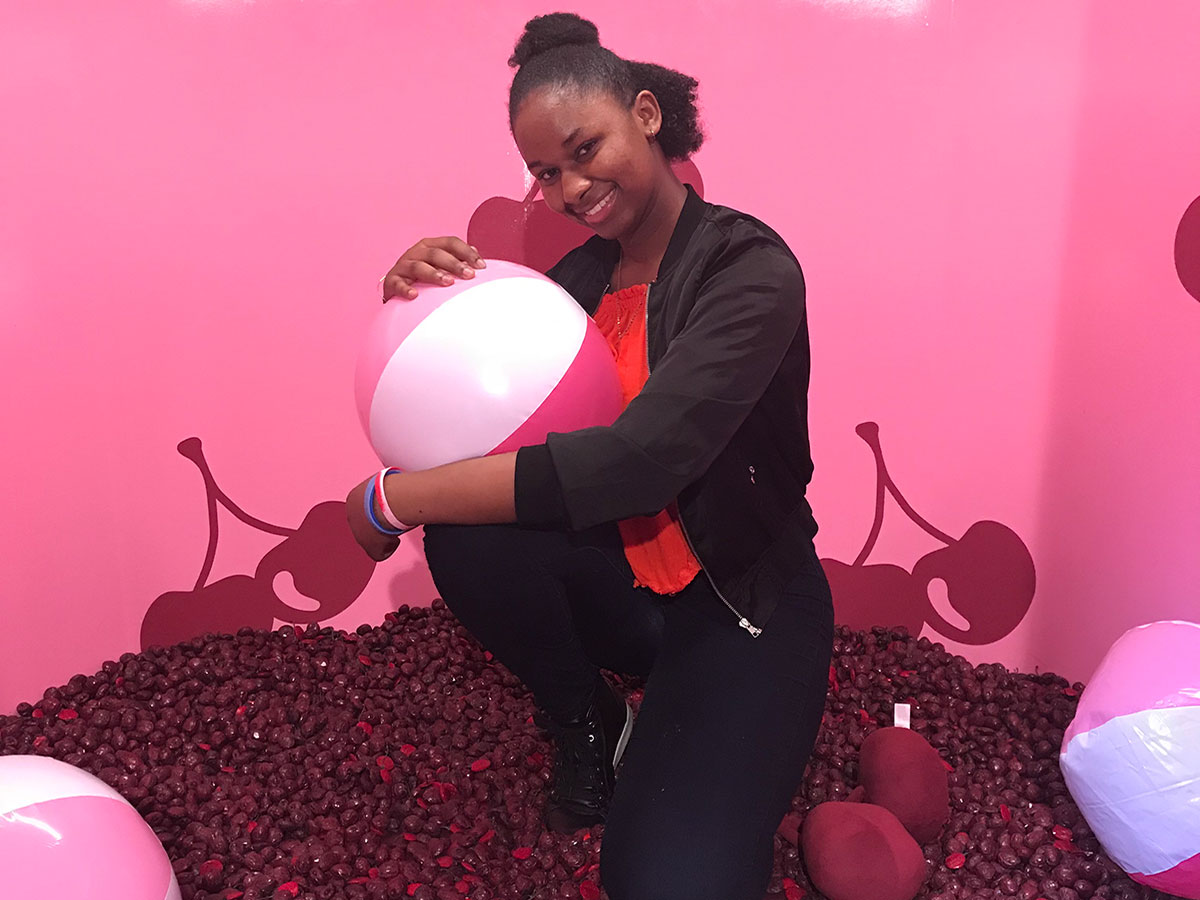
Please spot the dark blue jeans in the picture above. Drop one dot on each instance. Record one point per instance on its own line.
(727, 723)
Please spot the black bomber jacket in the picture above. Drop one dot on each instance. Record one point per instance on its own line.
(721, 425)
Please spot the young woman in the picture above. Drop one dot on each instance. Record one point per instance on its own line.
(675, 544)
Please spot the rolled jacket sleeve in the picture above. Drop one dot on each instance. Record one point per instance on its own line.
(716, 367)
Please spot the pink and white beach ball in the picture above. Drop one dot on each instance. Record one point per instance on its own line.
(1131, 756)
(66, 835)
(485, 365)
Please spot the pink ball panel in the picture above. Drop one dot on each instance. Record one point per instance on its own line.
(398, 317)
(589, 394)
(474, 370)
(1151, 666)
(83, 847)
(27, 779)
(1183, 880)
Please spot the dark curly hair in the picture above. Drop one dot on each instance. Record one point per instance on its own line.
(563, 50)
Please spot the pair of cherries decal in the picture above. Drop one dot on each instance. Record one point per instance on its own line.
(988, 574)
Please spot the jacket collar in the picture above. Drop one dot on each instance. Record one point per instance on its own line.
(689, 220)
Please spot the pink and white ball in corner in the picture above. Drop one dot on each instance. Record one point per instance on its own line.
(66, 835)
(485, 365)
(1131, 756)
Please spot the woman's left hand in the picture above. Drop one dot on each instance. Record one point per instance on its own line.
(377, 546)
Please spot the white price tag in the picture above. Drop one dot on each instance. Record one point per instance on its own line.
(902, 715)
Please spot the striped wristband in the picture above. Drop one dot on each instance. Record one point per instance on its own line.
(383, 504)
(374, 486)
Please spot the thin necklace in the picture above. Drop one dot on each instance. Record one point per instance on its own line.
(617, 279)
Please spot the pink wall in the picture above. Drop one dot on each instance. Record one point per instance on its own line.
(198, 197)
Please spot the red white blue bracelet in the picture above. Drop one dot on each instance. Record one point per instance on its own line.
(375, 488)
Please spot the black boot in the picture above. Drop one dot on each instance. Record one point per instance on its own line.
(586, 755)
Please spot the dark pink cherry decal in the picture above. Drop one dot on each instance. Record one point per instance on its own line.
(988, 573)
(325, 563)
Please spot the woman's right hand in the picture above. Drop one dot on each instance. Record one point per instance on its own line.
(431, 261)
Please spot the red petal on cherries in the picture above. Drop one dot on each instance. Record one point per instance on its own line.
(291, 887)
(792, 891)
(535, 759)
(1071, 692)
(409, 836)
(588, 890)
(1061, 832)
(1066, 846)
(386, 775)
(203, 746)
(211, 867)
(523, 852)
(461, 886)
(412, 888)
(480, 764)
(40, 740)
(947, 766)
(487, 836)
(366, 727)
(1005, 812)
(445, 862)
(373, 872)
(361, 879)
(67, 714)
(487, 654)
(251, 825)
(37, 714)
(364, 659)
(466, 865)
(580, 872)
(455, 828)
(408, 749)
(385, 762)
(240, 711)
(955, 861)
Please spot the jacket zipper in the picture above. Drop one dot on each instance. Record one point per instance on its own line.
(743, 622)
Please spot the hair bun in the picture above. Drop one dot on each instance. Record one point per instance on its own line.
(554, 30)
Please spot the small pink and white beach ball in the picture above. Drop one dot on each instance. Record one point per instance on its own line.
(485, 365)
(66, 835)
(1131, 756)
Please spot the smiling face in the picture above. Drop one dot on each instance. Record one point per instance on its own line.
(594, 158)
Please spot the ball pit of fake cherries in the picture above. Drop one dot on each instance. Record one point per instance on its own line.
(402, 762)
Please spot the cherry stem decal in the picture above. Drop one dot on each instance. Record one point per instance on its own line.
(869, 432)
(192, 449)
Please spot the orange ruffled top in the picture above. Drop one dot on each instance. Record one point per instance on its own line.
(655, 546)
